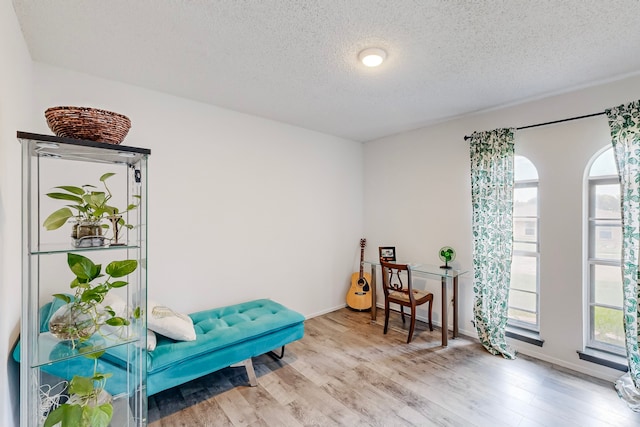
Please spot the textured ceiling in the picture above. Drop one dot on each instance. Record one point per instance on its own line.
(295, 61)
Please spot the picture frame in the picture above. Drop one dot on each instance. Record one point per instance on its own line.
(387, 253)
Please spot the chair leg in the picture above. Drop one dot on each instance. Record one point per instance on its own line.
(402, 313)
(386, 315)
(430, 311)
(413, 324)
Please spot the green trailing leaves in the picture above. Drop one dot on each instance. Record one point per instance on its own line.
(89, 293)
(89, 203)
(98, 416)
(57, 219)
(88, 352)
(65, 196)
(67, 415)
(82, 408)
(107, 175)
(90, 286)
(117, 321)
(83, 267)
(82, 386)
(119, 284)
(71, 189)
(86, 413)
(121, 268)
(63, 297)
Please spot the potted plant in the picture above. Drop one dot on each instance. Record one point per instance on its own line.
(83, 314)
(88, 404)
(91, 206)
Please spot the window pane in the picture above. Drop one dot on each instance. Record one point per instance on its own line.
(523, 273)
(525, 247)
(607, 202)
(525, 201)
(608, 326)
(522, 300)
(523, 169)
(604, 165)
(522, 316)
(607, 285)
(525, 229)
(607, 240)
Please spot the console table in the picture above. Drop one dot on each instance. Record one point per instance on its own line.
(433, 271)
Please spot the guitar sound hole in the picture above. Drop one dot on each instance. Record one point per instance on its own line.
(365, 286)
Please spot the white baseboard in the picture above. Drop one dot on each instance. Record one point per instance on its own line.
(604, 373)
(328, 310)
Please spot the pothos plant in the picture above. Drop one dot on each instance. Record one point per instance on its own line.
(83, 314)
(89, 405)
(89, 203)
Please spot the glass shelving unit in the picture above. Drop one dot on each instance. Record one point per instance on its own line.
(48, 363)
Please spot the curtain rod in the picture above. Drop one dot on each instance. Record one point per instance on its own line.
(553, 122)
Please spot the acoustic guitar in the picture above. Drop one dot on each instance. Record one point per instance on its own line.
(359, 295)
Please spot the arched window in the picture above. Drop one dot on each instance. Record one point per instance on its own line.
(605, 329)
(525, 266)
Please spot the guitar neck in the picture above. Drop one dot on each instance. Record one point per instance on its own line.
(361, 262)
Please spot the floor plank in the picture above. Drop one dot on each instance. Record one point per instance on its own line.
(346, 372)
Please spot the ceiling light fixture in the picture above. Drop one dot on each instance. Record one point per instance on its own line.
(372, 57)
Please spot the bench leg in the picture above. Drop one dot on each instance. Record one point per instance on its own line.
(248, 365)
(274, 354)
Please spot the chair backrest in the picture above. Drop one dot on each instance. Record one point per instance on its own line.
(396, 278)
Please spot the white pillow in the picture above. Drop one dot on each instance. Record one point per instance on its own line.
(151, 340)
(119, 306)
(162, 320)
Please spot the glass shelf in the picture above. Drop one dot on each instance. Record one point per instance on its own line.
(52, 350)
(50, 249)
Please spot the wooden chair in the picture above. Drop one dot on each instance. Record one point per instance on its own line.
(396, 291)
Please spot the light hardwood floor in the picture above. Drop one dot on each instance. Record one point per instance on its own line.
(345, 372)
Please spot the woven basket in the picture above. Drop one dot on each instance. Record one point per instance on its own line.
(88, 123)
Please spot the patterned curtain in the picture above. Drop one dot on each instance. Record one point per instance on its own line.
(624, 122)
(492, 201)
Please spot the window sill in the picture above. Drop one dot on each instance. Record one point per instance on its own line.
(604, 358)
(525, 335)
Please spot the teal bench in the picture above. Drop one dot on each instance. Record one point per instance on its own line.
(225, 336)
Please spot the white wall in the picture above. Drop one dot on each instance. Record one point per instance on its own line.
(239, 207)
(418, 198)
(15, 96)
